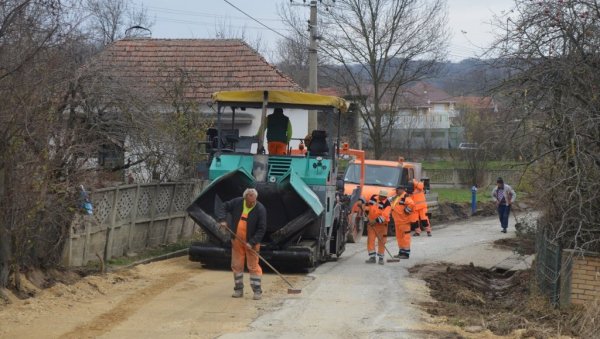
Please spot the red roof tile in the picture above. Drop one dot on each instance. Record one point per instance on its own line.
(207, 66)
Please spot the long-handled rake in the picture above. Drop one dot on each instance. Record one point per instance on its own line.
(391, 258)
(292, 289)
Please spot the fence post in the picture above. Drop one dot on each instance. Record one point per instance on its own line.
(152, 213)
(133, 217)
(110, 226)
(169, 211)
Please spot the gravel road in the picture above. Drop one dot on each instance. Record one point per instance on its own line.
(178, 299)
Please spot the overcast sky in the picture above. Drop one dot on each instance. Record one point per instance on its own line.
(469, 21)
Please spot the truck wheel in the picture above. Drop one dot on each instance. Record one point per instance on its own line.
(355, 231)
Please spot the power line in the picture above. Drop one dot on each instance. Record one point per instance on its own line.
(260, 23)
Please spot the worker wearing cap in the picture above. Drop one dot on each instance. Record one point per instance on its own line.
(403, 213)
(279, 132)
(249, 225)
(378, 209)
(418, 197)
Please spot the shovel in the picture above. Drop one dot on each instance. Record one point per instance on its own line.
(291, 290)
(391, 258)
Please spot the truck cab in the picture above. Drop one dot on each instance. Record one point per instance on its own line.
(380, 174)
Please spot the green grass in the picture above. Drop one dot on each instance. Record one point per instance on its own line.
(460, 195)
(149, 253)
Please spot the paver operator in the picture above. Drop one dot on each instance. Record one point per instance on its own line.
(249, 223)
(279, 132)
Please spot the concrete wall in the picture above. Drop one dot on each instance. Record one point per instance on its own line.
(131, 218)
(580, 278)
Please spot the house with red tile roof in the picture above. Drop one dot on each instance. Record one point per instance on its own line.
(196, 68)
(161, 71)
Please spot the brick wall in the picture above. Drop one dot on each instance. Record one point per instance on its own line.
(580, 277)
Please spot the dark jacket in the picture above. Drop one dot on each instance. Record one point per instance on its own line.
(277, 126)
(256, 225)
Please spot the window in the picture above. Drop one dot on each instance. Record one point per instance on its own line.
(374, 175)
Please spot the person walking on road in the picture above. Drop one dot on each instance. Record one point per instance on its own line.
(249, 223)
(504, 196)
(378, 212)
(403, 214)
(418, 196)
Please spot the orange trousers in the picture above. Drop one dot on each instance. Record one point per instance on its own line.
(239, 253)
(403, 237)
(423, 221)
(277, 148)
(381, 230)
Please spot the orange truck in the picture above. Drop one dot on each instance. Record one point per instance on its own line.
(380, 175)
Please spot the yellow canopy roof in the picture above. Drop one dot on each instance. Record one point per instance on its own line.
(280, 98)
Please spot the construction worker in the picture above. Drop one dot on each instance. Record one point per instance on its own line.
(418, 196)
(404, 214)
(279, 132)
(249, 225)
(303, 146)
(378, 211)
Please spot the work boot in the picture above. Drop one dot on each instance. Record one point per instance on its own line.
(237, 293)
(402, 256)
(503, 230)
(416, 234)
(371, 260)
(257, 295)
(428, 234)
(380, 262)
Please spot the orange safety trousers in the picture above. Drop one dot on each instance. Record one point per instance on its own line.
(239, 252)
(381, 230)
(423, 221)
(403, 236)
(277, 148)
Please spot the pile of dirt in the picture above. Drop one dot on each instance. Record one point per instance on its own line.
(503, 303)
(449, 211)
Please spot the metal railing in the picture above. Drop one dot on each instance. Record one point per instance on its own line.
(548, 266)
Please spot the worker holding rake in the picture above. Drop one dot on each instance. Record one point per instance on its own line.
(249, 224)
(378, 210)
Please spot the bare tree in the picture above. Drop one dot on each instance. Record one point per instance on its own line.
(292, 58)
(225, 30)
(111, 20)
(39, 141)
(553, 48)
(378, 46)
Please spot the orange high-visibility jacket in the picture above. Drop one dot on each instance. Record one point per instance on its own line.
(418, 196)
(404, 210)
(379, 210)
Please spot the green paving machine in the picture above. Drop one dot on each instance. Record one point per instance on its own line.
(307, 210)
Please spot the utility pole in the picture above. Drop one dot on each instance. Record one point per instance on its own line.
(312, 63)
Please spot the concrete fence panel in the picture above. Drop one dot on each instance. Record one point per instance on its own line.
(131, 218)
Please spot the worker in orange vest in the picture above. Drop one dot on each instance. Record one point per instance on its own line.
(378, 210)
(404, 214)
(249, 225)
(418, 197)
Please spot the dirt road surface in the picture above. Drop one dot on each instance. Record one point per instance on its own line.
(178, 299)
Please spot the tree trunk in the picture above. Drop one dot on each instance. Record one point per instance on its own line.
(4, 237)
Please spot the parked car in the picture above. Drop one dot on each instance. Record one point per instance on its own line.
(468, 145)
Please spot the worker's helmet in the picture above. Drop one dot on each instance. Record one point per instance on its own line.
(383, 193)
